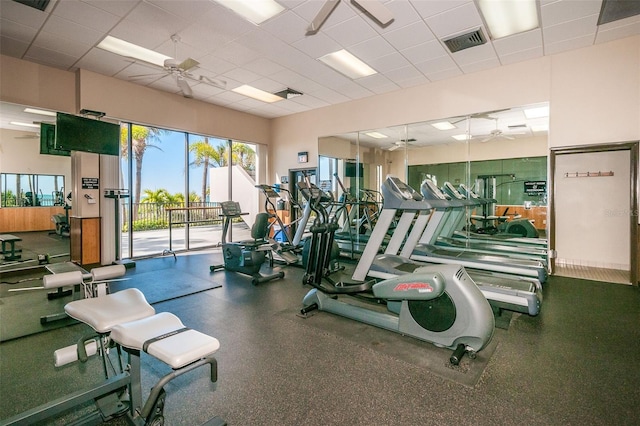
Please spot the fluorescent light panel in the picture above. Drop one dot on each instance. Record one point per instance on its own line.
(508, 17)
(256, 11)
(537, 112)
(258, 94)
(347, 64)
(40, 111)
(443, 125)
(20, 123)
(376, 135)
(130, 50)
(460, 137)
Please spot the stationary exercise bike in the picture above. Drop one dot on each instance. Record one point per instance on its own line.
(439, 304)
(248, 256)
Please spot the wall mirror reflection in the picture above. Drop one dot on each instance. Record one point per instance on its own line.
(500, 155)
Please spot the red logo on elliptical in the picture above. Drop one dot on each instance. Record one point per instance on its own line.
(422, 287)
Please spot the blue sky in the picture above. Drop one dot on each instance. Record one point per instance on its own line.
(164, 168)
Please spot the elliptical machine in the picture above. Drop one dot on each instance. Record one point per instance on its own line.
(248, 256)
(439, 304)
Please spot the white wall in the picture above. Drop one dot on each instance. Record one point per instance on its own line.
(23, 156)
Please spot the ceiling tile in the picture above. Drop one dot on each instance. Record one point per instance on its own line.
(430, 8)
(16, 30)
(372, 48)
(521, 55)
(22, 14)
(424, 52)
(185, 9)
(317, 46)
(571, 29)
(562, 11)
(351, 31)
(455, 21)
(12, 47)
(70, 30)
(409, 36)
(475, 54)
(518, 42)
(83, 13)
(119, 8)
(69, 47)
(49, 57)
(287, 26)
(389, 62)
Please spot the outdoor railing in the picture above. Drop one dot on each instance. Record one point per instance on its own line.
(148, 216)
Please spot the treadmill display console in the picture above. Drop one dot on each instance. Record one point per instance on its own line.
(453, 191)
(403, 189)
(434, 189)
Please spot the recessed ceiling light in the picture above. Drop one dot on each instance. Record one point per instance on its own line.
(376, 135)
(130, 50)
(443, 125)
(537, 112)
(258, 94)
(347, 64)
(540, 128)
(20, 123)
(256, 11)
(40, 111)
(460, 137)
(507, 17)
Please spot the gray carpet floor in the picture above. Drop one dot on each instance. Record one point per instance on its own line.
(574, 364)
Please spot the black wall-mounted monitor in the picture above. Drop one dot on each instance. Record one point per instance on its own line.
(48, 140)
(350, 169)
(75, 133)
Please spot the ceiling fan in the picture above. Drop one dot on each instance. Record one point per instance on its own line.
(403, 143)
(497, 133)
(377, 11)
(181, 71)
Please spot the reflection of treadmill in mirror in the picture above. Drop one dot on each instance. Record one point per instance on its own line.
(427, 251)
(458, 221)
(503, 291)
(502, 237)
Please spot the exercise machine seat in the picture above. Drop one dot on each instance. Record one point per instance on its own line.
(105, 312)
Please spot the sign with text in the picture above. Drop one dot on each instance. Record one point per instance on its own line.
(535, 187)
(90, 183)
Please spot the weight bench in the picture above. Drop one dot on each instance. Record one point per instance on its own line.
(11, 240)
(126, 321)
(84, 284)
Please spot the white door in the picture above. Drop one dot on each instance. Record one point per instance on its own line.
(592, 225)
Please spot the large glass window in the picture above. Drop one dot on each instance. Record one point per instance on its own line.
(176, 181)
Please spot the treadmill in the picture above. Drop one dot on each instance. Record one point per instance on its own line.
(510, 292)
(458, 217)
(503, 238)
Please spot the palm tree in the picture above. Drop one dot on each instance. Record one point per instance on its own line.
(141, 138)
(244, 156)
(206, 156)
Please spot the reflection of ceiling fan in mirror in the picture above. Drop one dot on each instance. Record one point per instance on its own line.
(182, 72)
(403, 143)
(497, 134)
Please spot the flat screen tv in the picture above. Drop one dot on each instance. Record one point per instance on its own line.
(75, 133)
(350, 169)
(48, 140)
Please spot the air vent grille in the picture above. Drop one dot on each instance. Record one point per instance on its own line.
(465, 41)
(36, 4)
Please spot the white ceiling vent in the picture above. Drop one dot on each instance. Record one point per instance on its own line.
(465, 41)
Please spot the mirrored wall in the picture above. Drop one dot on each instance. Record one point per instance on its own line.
(501, 155)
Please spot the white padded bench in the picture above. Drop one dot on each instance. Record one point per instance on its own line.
(165, 337)
(132, 322)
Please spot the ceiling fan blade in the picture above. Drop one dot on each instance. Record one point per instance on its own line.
(322, 16)
(188, 64)
(221, 84)
(142, 76)
(375, 10)
(184, 86)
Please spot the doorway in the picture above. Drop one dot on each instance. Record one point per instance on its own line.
(594, 212)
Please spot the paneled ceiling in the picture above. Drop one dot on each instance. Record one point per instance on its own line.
(278, 54)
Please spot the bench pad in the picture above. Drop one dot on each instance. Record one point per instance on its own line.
(104, 312)
(176, 350)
